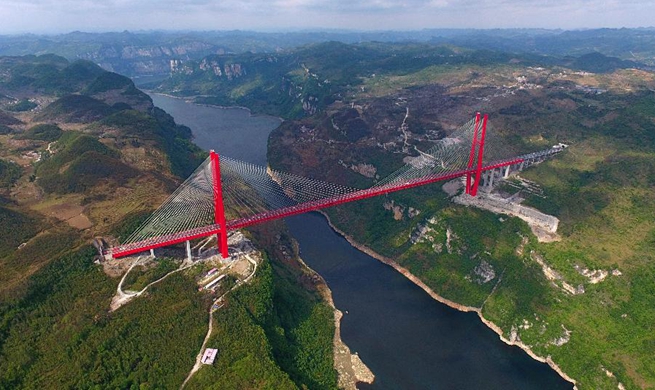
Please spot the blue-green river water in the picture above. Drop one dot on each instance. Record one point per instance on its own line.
(408, 340)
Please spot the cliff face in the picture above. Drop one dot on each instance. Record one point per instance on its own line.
(279, 84)
(139, 60)
(212, 67)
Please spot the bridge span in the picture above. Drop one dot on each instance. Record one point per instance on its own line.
(216, 199)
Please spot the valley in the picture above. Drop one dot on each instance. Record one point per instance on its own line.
(86, 156)
(364, 125)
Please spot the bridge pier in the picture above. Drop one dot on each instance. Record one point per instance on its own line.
(490, 182)
(152, 253)
(188, 250)
(498, 174)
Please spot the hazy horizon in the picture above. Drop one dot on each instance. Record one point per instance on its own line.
(308, 30)
(64, 16)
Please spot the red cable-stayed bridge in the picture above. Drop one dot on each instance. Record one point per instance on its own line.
(226, 195)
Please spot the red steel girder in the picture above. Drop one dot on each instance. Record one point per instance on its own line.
(358, 195)
(157, 242)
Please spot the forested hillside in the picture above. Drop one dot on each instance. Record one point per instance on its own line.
(90, 156)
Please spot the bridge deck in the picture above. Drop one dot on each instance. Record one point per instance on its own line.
(157, 242)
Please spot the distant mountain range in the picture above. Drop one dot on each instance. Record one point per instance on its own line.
(303, 81)
(150, 53)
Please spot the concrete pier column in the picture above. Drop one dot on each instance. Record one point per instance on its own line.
(188, 250)
(490, 182)
(152, 253)
(506, 174)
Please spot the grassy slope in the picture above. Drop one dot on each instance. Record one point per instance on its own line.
(608, 209)
(601, 189)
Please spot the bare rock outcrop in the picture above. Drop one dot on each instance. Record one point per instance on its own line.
(543, 226)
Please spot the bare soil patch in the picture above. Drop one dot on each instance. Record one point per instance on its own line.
(70, 212)
(64, 211)
(114, 268)
(241, 267)
(80, 222)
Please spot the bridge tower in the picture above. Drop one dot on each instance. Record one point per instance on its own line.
(478, 142)
(219, 208)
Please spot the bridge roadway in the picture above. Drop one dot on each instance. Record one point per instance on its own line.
(171, 239)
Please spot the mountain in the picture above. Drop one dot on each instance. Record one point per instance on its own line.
(303, 81)
(148, 53)
(583, 300)
(128, 53)
(629, 44)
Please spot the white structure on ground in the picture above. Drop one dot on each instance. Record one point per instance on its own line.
(209, 356)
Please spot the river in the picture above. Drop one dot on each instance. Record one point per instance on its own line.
(408, 340)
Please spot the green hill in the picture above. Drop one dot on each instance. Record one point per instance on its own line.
(9, 173)
(7, 119)
(123, 158)
(599, 63)
(107, 81)
(53, 75)
(21, 105)
(48, 74)
(79, 164)
(75, 109)
(16, 227)
(158, 127)
(42, 132)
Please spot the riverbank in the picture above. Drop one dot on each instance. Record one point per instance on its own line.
(190, 100)
(350, 368)
(414, 279)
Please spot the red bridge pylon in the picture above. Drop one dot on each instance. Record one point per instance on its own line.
(219, 207)
(472, 187)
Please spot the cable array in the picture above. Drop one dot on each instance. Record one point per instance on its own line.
(448, 155)
(190, 206)
(251, 191)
